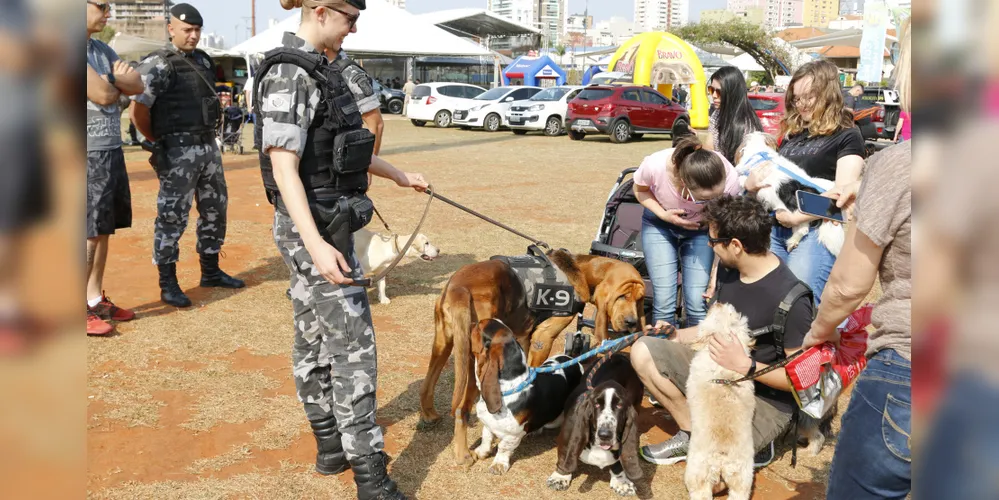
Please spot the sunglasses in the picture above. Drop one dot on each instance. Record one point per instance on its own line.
(105, 7)
(714, 90)
(351, 18)
(714, 241)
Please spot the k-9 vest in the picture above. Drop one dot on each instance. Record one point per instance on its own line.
(190, 104)
(338, 148)
(549, 292)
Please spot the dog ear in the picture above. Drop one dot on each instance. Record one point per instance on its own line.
(489, 381)
(575, 435)
(600, 299)
(629, 446)
(638, 295)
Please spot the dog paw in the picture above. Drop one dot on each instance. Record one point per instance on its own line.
(482, 453)
(814, 447)
(559, 482)
(499, 468)
(427, 423)
(384, 301)
(623, 487)
(465, 462)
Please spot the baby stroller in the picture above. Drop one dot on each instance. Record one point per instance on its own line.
(233, 118)
(619, 237)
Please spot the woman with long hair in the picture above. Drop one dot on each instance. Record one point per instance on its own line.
(819, 136)
(734, 117)
(673, 185)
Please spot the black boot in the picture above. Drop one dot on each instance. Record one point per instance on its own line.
(330, 458)
(211, 275)
(170, 291)
(372, 479)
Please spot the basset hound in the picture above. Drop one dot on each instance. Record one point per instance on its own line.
(500, 366)
(491, 289)
(601, 427)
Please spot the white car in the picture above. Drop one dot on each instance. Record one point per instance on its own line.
(545, 111)
(436, 102)
(488, 110)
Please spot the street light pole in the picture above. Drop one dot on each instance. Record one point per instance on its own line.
(253, 17)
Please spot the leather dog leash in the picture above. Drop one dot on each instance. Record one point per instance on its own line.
(490, 220)
(365, 282)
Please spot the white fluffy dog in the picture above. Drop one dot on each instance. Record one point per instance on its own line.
(376, 251)
(758, 148)
(721, 434)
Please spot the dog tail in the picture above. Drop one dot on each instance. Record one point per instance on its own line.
(832, 236)
(458, 311)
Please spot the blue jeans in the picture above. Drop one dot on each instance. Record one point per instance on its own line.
(872, 458)
(668, 250)
(810, 261)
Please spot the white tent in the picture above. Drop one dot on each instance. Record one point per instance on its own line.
(382, 30)
(746, 62)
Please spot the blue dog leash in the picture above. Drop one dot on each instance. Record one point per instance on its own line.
(765, 156)
(606, 347)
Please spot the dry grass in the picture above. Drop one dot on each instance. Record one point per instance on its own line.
(200, 403)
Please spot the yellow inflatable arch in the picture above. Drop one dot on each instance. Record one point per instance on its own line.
(661, 60)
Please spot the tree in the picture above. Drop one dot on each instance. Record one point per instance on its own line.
(106, 34)
(750, 38)
(560, 50)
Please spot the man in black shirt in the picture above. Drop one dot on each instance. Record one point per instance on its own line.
(754, 281)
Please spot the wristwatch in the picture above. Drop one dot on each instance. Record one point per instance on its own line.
(752, 367)
(111, 78)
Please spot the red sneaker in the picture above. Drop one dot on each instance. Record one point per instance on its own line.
(107, 311)
(96, 325)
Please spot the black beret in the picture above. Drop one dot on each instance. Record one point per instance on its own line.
(187, 13)
(357, 3)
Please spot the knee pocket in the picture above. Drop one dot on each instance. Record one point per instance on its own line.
(895, 422)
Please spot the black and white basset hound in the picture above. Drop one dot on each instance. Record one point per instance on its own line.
(500, 366)
(601, 427)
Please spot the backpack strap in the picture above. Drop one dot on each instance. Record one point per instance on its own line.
(798, 291)
(284, 55)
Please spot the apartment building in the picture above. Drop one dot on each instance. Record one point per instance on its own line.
(818, 13)
(143, 18)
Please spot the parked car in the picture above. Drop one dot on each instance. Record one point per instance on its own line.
(391, 99)
(488, 110)
(881, 123)
(611, 78)
(545, 111)
(770, 109)
(436, 102)
(625, 113)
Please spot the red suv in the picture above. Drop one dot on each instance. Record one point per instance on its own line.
(770, 109)
(624, 113)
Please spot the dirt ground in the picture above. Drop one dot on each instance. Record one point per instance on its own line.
(200, 403)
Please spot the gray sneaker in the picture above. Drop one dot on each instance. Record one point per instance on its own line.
(668, 452)
(765, 456)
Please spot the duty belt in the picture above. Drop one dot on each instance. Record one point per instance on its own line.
(186, 139)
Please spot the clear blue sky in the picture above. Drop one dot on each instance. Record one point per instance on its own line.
(231, 18)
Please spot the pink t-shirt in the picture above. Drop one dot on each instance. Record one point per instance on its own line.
(906, 132)
(654, 174)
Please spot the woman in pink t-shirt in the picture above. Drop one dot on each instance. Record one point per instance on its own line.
(673, 186)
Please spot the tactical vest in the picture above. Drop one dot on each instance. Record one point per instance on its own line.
(190, 104)
(549, 292)
(338, 149)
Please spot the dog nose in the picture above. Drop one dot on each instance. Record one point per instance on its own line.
(631, 322)
(605, 434)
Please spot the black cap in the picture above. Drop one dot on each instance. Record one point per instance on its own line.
(357, 3)
(187, 13)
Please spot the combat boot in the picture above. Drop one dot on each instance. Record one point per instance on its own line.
(372, 479)
(211, 275)
(330, 458)
(170, 291)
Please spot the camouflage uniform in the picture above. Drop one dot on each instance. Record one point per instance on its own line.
(334, 356)
(190, 173)
(360, 85)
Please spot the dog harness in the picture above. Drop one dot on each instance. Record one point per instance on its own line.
(548, 290)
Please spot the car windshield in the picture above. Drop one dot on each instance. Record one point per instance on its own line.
(552, 94)
(492, 94)
(594, 94)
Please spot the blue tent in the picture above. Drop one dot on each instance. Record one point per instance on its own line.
(532, 69)
(593, 71)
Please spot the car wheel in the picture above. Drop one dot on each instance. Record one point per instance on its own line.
(620, 133)
(576, 135)
(418, 123)
(443, 119)
(395, 106)
(492, 122)
(519, 132)
(553, 126)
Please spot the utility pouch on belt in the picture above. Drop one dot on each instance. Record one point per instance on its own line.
(352, 152)
(347, 216)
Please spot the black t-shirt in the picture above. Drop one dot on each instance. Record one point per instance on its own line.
(758, 302)
(818, 155)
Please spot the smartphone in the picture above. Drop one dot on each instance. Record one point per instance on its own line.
(819, 206)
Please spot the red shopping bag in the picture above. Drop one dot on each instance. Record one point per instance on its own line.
(820, 374)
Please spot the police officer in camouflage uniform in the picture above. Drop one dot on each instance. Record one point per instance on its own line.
(315, 157)
(181, 113)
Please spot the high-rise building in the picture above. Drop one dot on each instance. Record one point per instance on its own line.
(659, 15)
(143, 18)
(818, 13)
(679, 13)
(549, 16)
(851, 7)
(752, 15)
(780, 14)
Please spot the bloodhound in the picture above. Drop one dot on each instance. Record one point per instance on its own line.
(491, 289)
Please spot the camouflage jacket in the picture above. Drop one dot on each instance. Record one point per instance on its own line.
(288, 101)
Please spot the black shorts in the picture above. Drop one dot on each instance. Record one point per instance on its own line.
(24, 189)
(109, 200)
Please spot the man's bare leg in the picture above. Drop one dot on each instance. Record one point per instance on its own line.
(97, 258)
(661, 387)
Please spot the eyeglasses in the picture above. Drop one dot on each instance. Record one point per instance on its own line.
(714, 241)
(714, 90)
(799, 100)
(351, 18)
(688, 195)
(105, 7)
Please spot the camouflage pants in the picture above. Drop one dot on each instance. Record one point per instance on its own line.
(190, 173)
(334, 356)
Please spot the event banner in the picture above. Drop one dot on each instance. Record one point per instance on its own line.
(872, 43)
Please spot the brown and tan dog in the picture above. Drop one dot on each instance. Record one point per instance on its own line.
(490, 289)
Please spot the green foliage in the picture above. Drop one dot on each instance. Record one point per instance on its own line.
(762, 77)
(106, 34)
(560, 50)
(750, 38)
